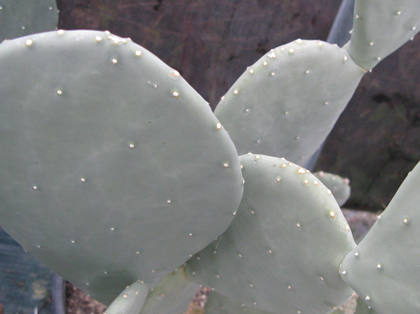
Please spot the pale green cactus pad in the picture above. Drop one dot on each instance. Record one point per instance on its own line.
(219, 304)
(19, 18)
(172, 295)
(283, 250)
(113, 169)
(380, 27)
(130, 301)
(384, 269)
(286, 104)
(339, 186)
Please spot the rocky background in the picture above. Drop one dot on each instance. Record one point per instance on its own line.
(375, 143)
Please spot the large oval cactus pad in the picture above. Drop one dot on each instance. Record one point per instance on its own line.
(113, 169)
(384, 269)
(380, 27)
(282, 251)
(287, 103)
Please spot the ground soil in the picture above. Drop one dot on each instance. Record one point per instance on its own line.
(78, 302)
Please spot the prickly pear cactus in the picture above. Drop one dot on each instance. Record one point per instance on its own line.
(113, 168)
(380, 27)
(306, 85)
(115, 172)
(282, 252)
(384, 269)
(19, 18)
(339, 186)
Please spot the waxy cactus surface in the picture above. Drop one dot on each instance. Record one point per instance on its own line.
(380, 27)
(339, 186)
(113, 168)
(172, 295)
(285, 245)
(131, 300)
(22, 17)
(219, 304)
(306, 85)
(114, 172)
(384, 269)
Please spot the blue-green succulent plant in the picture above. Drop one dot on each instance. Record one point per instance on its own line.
(118, 176)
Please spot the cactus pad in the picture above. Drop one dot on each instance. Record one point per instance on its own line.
(339, 186)
(20, 18)
(282, 251)
(384, 269)
(130, 301)
(113, 169)
(172, 295)
(380, 27)
(286, 104)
